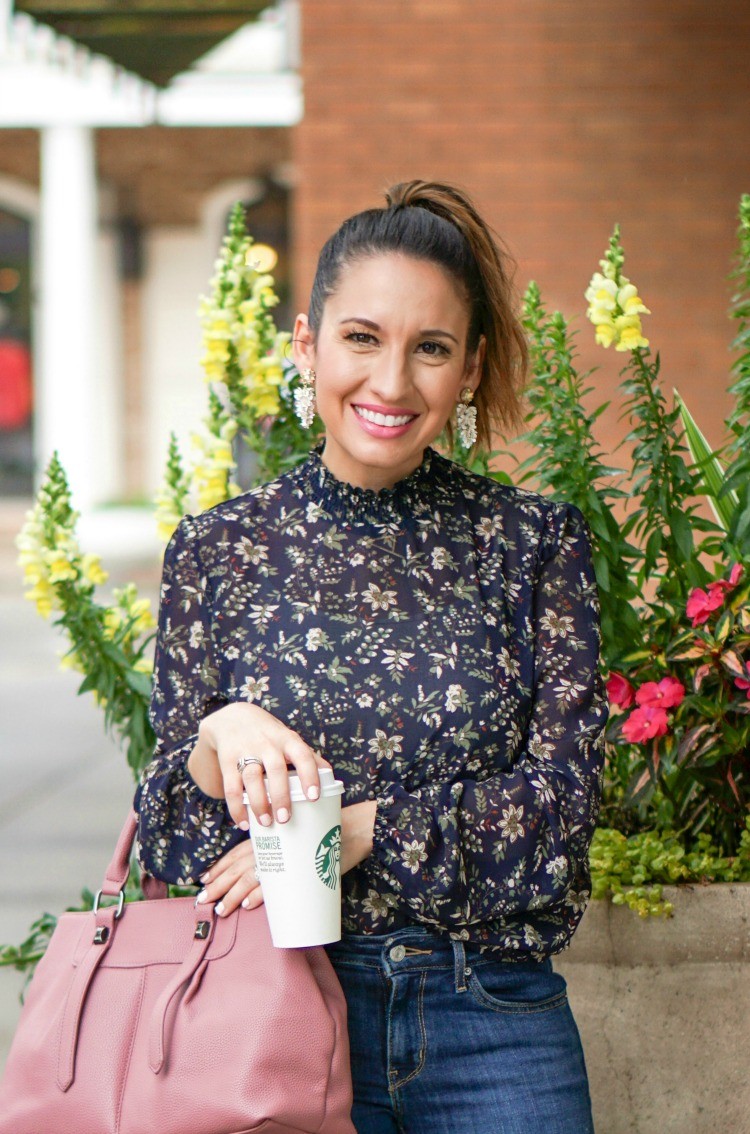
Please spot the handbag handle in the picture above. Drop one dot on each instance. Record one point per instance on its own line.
(113, 886)
(118, 871)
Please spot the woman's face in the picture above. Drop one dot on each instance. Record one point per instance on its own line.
(390, 360)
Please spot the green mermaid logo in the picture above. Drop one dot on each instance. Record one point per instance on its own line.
(328, 858)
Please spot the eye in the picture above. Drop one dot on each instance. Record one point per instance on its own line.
(434, 349)
(363, 338)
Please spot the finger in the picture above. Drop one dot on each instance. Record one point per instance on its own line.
(254, 899)
(218, 890)
(277, 771)
(257, 796)
(306, 762)
(227, 872)
(237, 854)
(243, 889)
(233, 787)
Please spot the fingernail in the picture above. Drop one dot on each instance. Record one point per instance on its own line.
(201, 897)
(282, 815)
(266, 820)
(204, 877)
(219, 908)
(244, 825)
(313, 792)
(246, 903)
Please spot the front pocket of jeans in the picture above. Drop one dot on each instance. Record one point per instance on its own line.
(505, 988)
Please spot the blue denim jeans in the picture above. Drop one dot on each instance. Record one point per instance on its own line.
(446, 1040)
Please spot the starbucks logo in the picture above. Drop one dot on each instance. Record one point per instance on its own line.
(328, 858)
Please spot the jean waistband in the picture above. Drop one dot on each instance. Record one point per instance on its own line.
(414, 948)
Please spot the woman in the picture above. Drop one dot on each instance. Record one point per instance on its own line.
(434, 637)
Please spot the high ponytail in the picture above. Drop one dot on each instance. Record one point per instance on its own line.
(437, 222)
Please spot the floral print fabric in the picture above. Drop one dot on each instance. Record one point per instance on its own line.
(438, 642)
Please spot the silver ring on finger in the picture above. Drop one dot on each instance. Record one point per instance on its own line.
(245, 761)
(256, 873)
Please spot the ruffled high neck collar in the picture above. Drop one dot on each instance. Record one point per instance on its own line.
(407, 497)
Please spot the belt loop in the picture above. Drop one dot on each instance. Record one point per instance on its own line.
(459, 958)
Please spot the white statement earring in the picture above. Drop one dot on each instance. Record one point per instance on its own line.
(466, 418)
(304, 398)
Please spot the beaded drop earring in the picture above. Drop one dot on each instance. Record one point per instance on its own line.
(304, 398)
(466, 418)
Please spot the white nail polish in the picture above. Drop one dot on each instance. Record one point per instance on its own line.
(201, 898)
(244, 825)
(266, 820)
(246, 903)
(282, 815)
(204, 877)
(313, 792)
(219, 908)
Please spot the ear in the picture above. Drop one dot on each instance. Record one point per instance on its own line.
(303, 343)
(474, 365)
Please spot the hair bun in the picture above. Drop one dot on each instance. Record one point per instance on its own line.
(444, 201)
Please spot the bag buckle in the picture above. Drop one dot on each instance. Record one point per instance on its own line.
(120, 902)
(202, 930)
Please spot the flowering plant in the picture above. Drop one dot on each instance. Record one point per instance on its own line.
(673, 587)
(250, 384)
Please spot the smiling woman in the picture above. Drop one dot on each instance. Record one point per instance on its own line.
(387, 381)
(433, 636)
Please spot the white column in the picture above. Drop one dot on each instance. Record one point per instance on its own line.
(6, 7)
(65, 331)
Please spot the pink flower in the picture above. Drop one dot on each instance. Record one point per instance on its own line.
(743, 682)
(701, 604)
(665, 694)
(645, 723)
(619, 691)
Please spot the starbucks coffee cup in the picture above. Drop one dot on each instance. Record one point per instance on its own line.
(299, 865)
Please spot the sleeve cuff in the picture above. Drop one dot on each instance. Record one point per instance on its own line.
(180, 757)
(382, 850)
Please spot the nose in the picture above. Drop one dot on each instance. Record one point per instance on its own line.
(390, 378)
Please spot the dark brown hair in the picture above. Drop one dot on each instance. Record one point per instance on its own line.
(434, 221)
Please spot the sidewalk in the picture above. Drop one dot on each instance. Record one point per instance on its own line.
(64, 787)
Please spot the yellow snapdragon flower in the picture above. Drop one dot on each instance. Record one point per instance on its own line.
(93, 572)
(614, 305)
(210, 474)
(44, 596)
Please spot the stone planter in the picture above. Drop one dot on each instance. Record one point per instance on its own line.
(663, 1007)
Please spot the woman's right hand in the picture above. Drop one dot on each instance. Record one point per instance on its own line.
(243, 729)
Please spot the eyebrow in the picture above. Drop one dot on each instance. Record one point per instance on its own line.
(376, 327)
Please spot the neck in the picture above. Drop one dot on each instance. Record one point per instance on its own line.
(359, 475)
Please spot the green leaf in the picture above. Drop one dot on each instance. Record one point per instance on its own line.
(711, 468)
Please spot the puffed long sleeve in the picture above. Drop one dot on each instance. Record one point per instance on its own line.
(473, 851)
(181, 830)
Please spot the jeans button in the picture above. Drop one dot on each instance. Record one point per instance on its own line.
(397, 953)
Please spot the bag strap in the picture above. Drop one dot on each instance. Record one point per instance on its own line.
(159, 1031)
(118, 871)
(104, 925)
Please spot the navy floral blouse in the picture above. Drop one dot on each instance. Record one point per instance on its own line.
(439, 643)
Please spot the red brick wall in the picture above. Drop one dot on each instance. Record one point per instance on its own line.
(560, 117)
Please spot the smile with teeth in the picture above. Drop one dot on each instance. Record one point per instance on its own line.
(383, 418)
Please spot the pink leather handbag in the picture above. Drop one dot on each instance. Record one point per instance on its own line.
(158, 1017)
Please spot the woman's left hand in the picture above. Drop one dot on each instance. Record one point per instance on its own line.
(231, 880)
